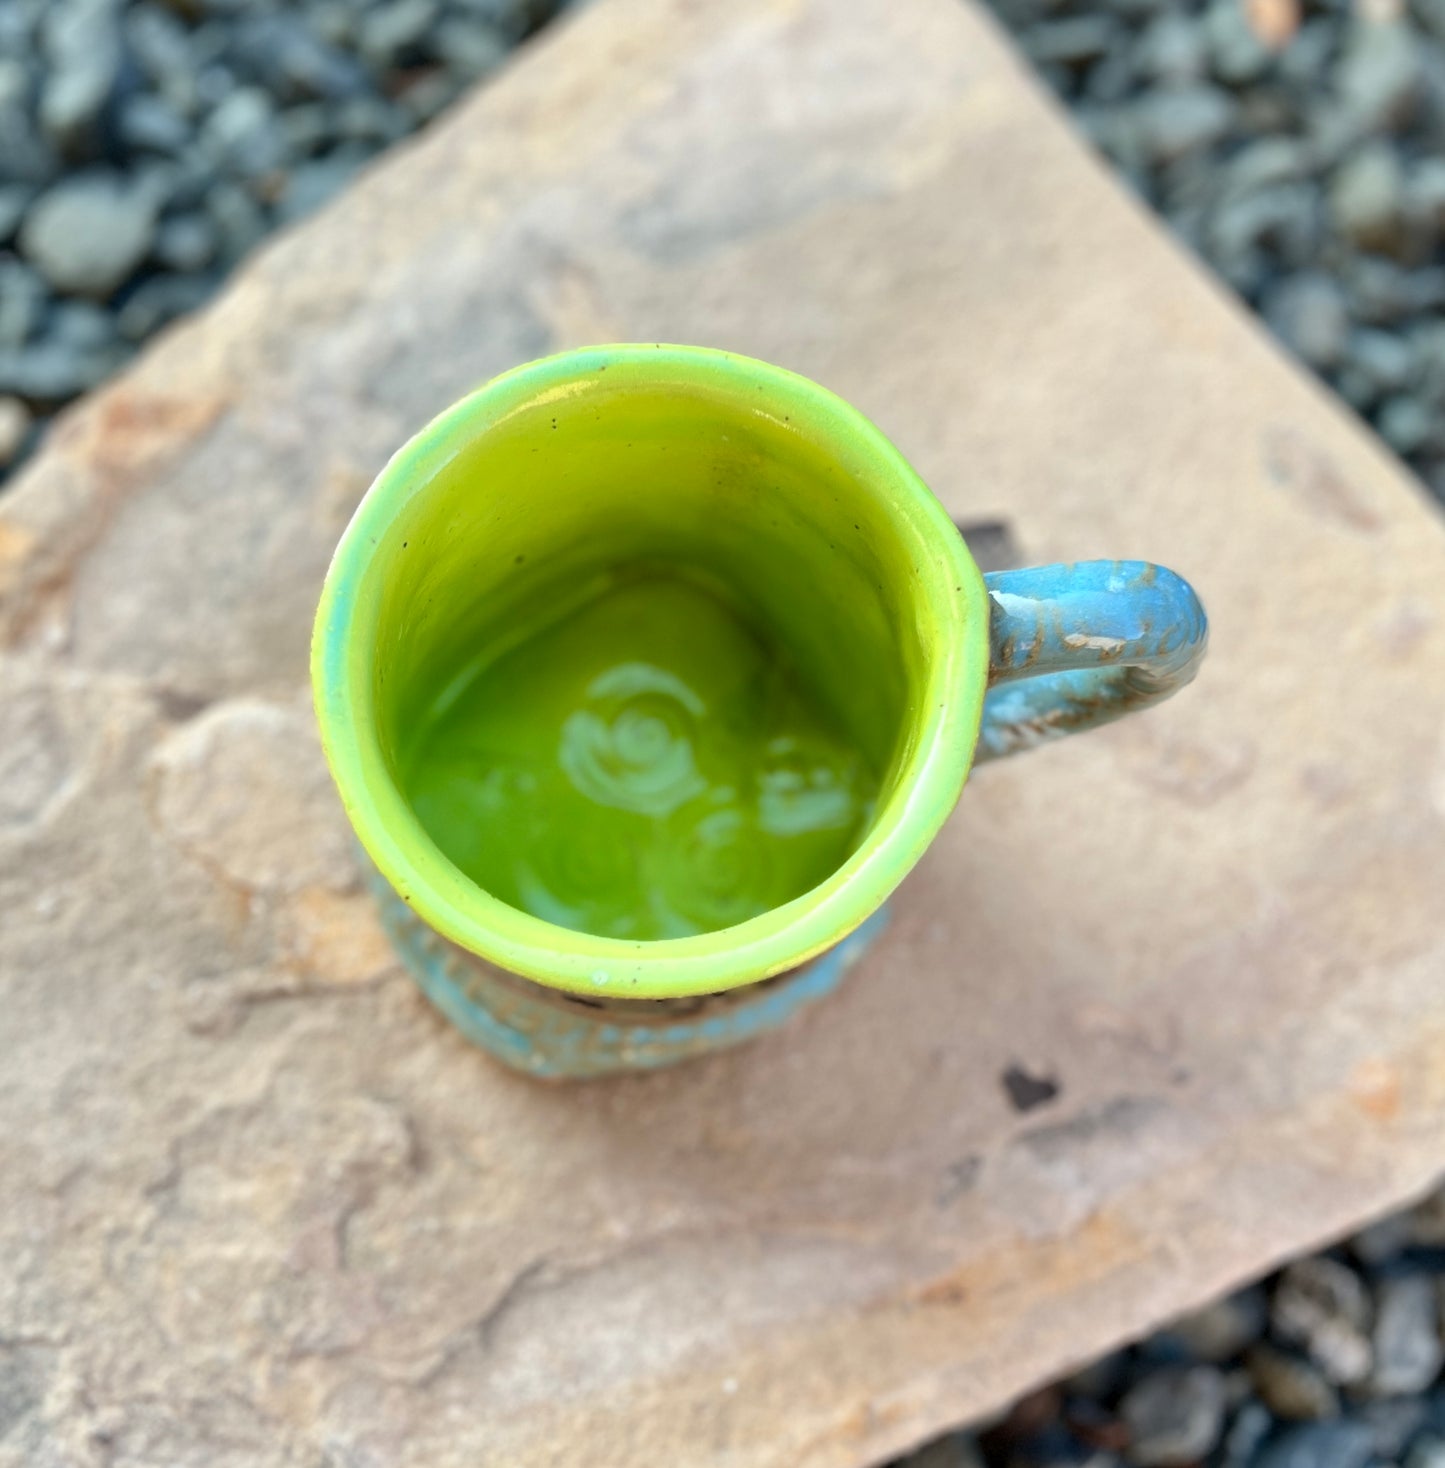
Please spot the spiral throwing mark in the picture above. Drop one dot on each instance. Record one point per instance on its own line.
(806, 786)
(712, 870)
(633, 747)
(579, 873)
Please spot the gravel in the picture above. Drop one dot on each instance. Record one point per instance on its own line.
(147, 146)
(1323, 1306)
(1299, 147)
(1290, 1386)
(88, 234)
(1174, 1416)
(1333, 1362)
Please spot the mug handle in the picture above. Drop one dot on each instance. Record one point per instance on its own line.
(1077, 645)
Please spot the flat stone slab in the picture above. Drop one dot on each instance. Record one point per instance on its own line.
(261, 1206)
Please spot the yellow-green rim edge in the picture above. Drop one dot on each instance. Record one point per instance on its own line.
(950, 594)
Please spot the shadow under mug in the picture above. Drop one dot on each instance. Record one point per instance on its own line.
(687, 480)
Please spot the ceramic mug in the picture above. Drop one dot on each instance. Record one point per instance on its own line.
(647, 672)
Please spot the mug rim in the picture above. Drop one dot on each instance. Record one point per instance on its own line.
(950, 607)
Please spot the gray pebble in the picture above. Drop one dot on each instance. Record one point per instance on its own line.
(1236, 54)
(1172, 48)
(239, 221)
(1427, 342)
(430, 95)
(1379, 75)
(186, 243)
(1265, 110)
(1174, 1416)
(1320, 1445)
(1381, 293)
(159, 300)
(15, 83)
(88, 233)
(1427, 1451)
(1307, 312)
(22, 302)
(1388, 362)
(17, 26)
(1393, 1421)
(370, 120)
(83, 55)
(1179, 120)
(312, 184)
(1322, 1305)
(1309, 53)
(390, 32)
(14, 429)
(1111, 78)
(151, 124)
(1238, 1389)
(28, 157)
(473, 49)
(1367, 198)
(243, 134)
(52, 372)
(162, 48)
(178, 183)
(294, 61)
(1247, 1431)
(511, 16)
(334, 21)
(1425, 197)
(1224, 1328)
(1186, 185)
(1355, 387)
(1283, 218)
(308, 128)
(1431, 15)
(1405, 423)
(82, 325)
(1264, 162)
(213, 84)
(1115, 131)
(1290, 1386)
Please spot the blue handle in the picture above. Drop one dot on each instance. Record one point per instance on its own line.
(1073, 646)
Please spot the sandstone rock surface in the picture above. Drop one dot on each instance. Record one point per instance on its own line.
(260, 1206)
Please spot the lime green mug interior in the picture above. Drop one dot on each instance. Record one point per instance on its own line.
(649, 670)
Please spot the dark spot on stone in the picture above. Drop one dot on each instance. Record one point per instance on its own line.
(1026, 1091)
(180, 706)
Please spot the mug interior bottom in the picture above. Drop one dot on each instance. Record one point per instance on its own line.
(645, 761)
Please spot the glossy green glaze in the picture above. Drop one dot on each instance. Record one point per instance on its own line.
(646, 765)
(709, 611)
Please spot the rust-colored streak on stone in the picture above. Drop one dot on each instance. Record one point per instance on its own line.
(133, 433)
(1375, 1089)
(97, 454)
(1025, 1267)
